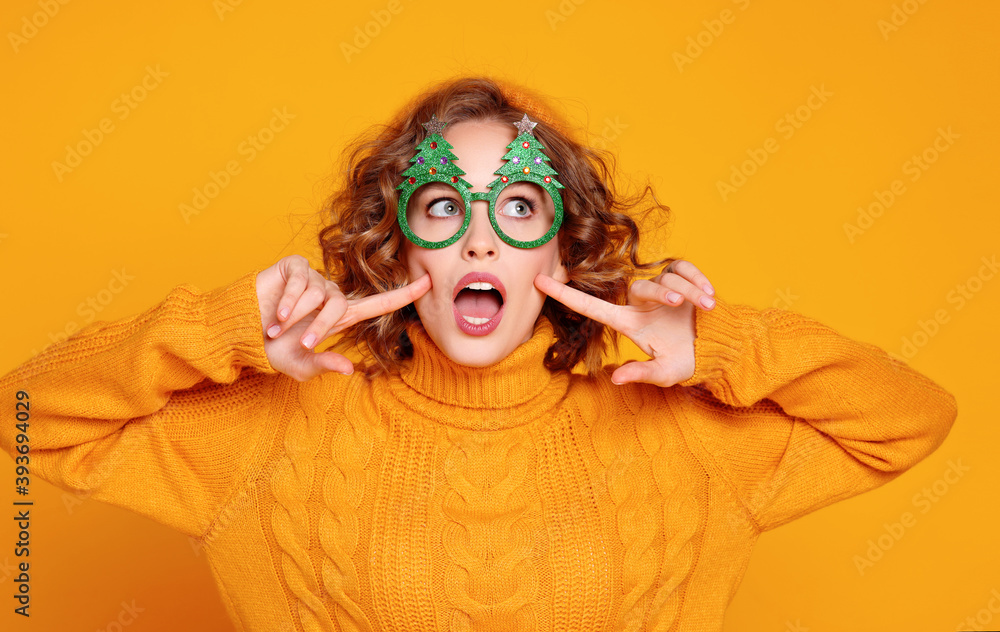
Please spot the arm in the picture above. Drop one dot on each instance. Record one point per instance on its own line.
(163, 413)
(797, 416)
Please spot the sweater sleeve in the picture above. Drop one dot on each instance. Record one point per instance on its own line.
(797, 416)
(162, 413)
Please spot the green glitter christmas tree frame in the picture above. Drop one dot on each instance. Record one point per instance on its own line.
(524, 162)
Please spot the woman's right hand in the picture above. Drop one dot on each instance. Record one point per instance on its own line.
(299, 308)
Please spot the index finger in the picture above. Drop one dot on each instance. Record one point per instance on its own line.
(580, 302)
(385, 302)
(687, 270)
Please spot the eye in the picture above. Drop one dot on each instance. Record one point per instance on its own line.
(518, 207)
(443, 207)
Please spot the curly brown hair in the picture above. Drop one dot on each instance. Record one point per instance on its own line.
(598, 239)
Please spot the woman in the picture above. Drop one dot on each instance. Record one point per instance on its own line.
(467, 478)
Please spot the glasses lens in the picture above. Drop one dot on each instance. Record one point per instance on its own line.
(524, 211)
(435, 211)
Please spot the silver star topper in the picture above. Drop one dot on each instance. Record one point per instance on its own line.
(434, 126)
(525, 125)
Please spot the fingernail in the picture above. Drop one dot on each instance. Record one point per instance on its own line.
(274, 331)
(673, 296)
(709, 289)
(346, 372)
(707, 302)
(309, 341)
(284, 312)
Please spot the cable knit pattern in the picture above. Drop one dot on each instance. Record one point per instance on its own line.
(452, 498)
(489, 539)
(579, 548)
(344, 487)
(661, 441)
(629, 478)
(291, 484)
(400, 561)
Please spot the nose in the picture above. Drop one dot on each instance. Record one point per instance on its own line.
(480, 240)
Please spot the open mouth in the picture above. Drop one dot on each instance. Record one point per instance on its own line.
(478, 305)
(479, 297)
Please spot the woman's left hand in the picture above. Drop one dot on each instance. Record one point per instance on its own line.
(658, 319)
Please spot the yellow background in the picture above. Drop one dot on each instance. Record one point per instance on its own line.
(778, 240)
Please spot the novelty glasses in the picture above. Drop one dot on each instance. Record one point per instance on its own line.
(435, 206)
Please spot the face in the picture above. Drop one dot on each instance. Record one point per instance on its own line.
(464, 321)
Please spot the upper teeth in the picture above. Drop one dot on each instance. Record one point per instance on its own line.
(480, 285)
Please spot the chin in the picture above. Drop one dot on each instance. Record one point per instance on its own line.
(476, 351)
(477, 360)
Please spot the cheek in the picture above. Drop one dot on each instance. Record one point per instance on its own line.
(553, 263)
(418, 262)
(411, 262)
(544, 260)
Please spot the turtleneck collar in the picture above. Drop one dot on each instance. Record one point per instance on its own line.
(510, 393)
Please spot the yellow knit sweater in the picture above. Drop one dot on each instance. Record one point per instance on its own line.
(454, 498)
